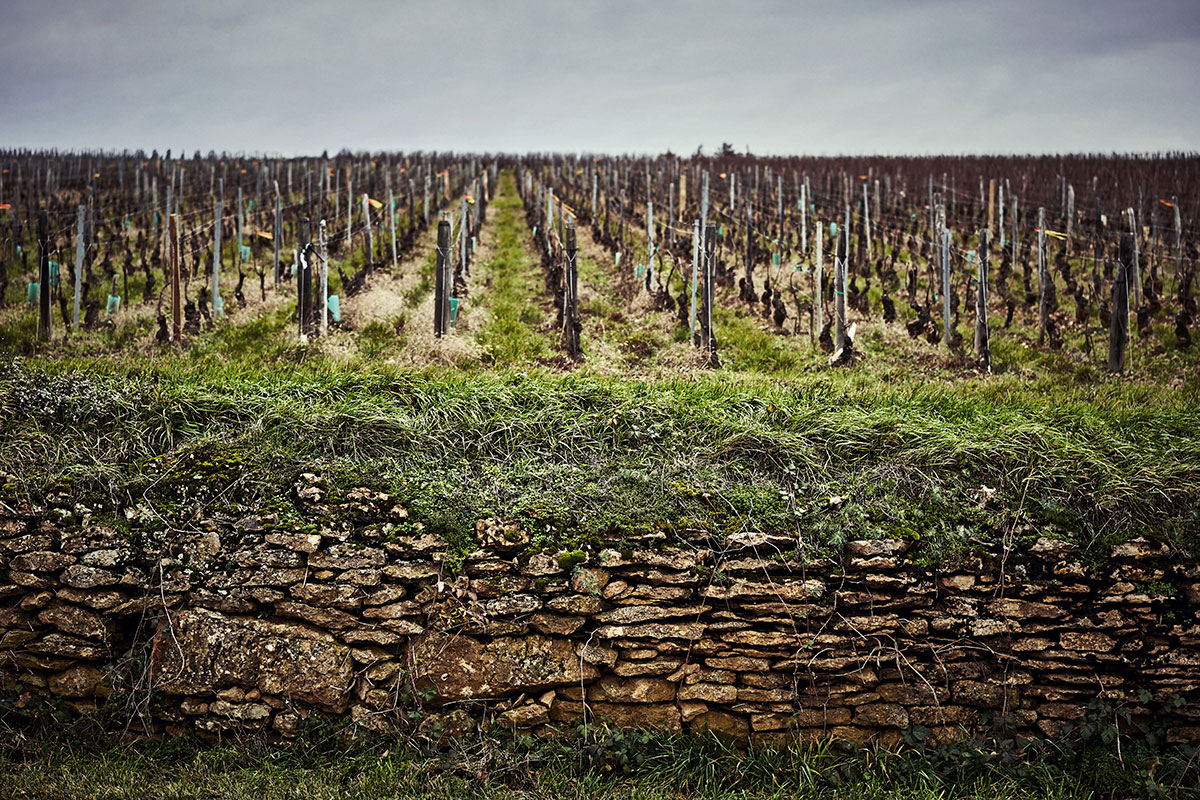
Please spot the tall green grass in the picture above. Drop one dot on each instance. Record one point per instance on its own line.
(1096, 463)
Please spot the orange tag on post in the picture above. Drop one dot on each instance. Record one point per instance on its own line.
(267, 235)
(374, 203)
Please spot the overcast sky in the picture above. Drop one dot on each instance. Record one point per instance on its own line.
(846, 76)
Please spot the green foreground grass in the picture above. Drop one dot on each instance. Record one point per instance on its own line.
(588, 762)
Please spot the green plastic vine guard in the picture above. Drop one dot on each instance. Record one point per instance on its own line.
(335, 308)
(114, 304)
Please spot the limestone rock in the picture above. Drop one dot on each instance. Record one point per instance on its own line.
(634, 690)
(879, 715)
(74, 620)
(709, 692)
(347, 556)
(871, 548)
(723, 724)
(58, 649)
(41, 561)
(81, 681)
(1090, 641)
(205, 651)
(554, 625)
(627, 615)
(461, 668)
(84, 577)
(300, 542)
(589, 580)
(529, 715)
(688, 630)
(661, 716)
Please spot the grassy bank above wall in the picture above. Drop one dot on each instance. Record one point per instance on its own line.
(827, 455)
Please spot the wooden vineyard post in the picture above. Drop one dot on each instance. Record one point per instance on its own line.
(671, 215)
(1152, 253)
(549, 220)
(1119, 326)
(866, 219)
(464, 231)
(803, 220)
(323, 255)
(621, 223)
(278, 231)
(176, 297)
(412, 214)
(79, 245)
(571, 320)
(1070, 214)
(441, 299)
(683, 193)
(349, 214)
(216, 272)
(1178, 239)
(392, 227)
(237, 258)
(1135, 275)
(303, 281)
(369, 263)
(840, 261)
(707, 339)
(153, 213)
(16, 215)
(43, 328)
(1043, 293)
(1016, 209)
(695, 280)
(425, 201)
(945, 259)
(932, 210)
(1000, 224)
(982, 343)
(749, 277)
(649, 240)
(818, 275)
(991, 208)
(779, 215)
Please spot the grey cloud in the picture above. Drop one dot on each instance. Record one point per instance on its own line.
(918, 76)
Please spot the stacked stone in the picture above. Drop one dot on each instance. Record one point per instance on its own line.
(248, 624)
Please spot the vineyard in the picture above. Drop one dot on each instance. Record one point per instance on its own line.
(909, 322)
(762, 264)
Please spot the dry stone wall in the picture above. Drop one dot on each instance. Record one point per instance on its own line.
(251, 624)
